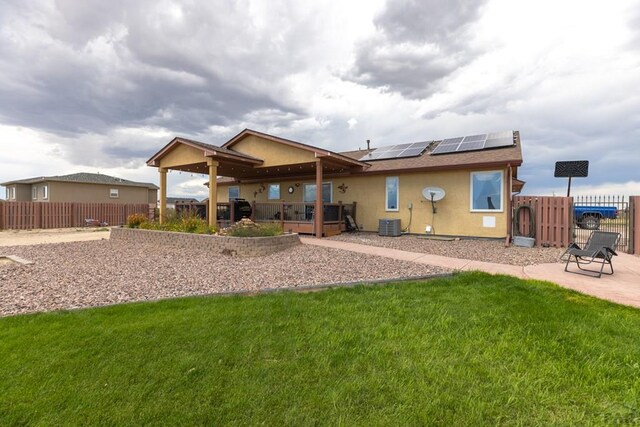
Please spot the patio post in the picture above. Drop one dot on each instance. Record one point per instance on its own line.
(163, 194)
(213, 192)
(282, 215)
(319, 217)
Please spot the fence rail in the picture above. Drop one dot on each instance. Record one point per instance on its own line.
(31, 215)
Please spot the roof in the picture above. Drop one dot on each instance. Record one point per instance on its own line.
(84, 178)
(320, 152)
(208, 150)
(181, 200)
(488, 157)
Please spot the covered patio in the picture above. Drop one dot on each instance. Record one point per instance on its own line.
(253, 157)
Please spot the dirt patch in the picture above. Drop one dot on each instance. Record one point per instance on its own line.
(56, 235)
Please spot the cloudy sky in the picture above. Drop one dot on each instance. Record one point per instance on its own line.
(101, 86)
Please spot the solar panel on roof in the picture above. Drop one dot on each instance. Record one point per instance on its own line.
(450, 141)
(447, 148)
(499, 142)
(503, 134)
(473, 145)
(471, 138)
(398, 151)
(474, 142)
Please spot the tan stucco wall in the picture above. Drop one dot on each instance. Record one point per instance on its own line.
(99, 193)
(182, 155)
(23, 192)
(273, 153)
(453, 217)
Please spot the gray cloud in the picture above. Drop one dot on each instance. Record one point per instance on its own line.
(417, 45)
(90, 66)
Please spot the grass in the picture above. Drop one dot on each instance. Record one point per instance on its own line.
(473, 349)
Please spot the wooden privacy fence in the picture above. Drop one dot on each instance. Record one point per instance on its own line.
(550, 218)
(30, 215)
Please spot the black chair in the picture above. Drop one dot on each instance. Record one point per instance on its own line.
(350, 223)
(598, 250)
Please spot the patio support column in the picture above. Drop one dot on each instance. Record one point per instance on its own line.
(213, 191)
(163, 194)
(319, 211)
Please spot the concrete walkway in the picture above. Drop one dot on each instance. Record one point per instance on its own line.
(623, 287)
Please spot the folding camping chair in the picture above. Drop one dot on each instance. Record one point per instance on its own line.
(599, 250)
(350, 223)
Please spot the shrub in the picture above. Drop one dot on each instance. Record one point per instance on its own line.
(136, 220)
(247, 228)
(187, 223)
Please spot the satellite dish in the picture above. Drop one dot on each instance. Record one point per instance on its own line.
(433, 194)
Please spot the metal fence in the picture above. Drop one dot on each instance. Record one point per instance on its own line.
(599, 219)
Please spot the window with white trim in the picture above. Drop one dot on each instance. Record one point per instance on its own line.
(45, 192)
(392, 196)
(34, 192)
(274, 192)
(234, 192)
(114, 193)
(11, 193)
(486, 191)
(309, 193)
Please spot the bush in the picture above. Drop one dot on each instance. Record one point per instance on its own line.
(247, 228)
(188, 223)
(136, 220)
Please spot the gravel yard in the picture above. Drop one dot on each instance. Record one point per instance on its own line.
(101, 272)
(476, 249)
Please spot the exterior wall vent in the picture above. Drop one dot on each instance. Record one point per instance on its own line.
(389, 227)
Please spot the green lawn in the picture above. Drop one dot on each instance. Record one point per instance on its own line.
(474, 349)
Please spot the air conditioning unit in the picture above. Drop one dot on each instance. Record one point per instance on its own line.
(389, 227)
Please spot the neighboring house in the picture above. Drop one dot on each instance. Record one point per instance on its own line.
(81, 187)
(478, 174)
(171, 201)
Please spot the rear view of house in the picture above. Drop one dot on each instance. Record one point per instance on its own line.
(82, 188)
(477, 175)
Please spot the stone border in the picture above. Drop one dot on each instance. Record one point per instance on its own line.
(225, 245)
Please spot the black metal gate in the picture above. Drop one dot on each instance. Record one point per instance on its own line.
(604, 213)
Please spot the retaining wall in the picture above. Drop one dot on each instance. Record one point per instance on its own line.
(240, 246)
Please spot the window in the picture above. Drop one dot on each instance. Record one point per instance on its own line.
(391, 199)
(309, 195)
(34, 192)
(114, 193)
(45, 192)
(486, 191)
(234, 192)
(274, 192)
(11, 193)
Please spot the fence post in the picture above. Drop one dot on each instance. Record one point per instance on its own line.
(353, 212)
(634, 224)
(232, 212)
(2, 215)
(253, 211)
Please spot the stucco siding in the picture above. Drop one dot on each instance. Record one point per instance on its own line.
(97, 193)
(273, 153)
(453, 217)
(182, 155)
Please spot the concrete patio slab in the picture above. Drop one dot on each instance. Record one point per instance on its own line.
(623, 287)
